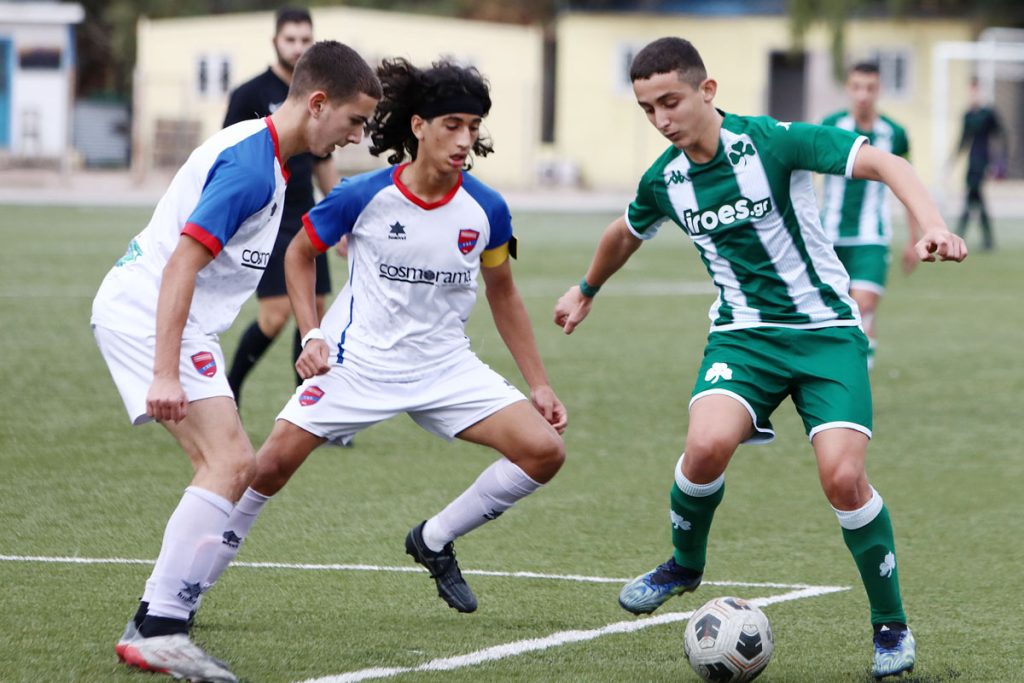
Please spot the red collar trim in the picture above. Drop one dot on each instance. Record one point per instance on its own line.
(277, 148)
(396, 176)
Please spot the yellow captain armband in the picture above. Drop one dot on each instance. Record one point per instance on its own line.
(492, 258)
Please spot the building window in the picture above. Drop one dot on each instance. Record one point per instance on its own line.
(894, 70)
(213, 75)
(623, 61)
(39, 58)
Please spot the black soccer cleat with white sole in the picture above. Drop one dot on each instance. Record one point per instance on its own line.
(443, 568)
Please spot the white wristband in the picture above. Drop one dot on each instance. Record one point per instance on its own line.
(315, 333)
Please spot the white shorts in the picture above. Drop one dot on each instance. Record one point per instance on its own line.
(130, 359)
(340, 404)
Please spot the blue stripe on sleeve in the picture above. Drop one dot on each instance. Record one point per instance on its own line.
(493, 204)
(240, 182)
(337, 214)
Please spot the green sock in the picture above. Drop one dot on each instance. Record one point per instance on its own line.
(874, 550)
(691, 523)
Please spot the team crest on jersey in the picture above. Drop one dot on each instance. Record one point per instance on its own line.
(468, 240)
(739, 152)
(311, 396)
(205, 363)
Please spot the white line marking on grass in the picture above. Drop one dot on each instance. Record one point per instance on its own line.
(519, 647)
(380, 568)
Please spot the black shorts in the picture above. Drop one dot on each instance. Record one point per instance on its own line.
(273, 283)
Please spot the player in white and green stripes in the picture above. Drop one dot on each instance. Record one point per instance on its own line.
(856, 213)
(783, 324)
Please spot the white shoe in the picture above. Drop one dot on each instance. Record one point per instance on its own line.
(130, 635)
(176, 656)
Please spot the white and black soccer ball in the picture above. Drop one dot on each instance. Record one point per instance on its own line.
(728, 640)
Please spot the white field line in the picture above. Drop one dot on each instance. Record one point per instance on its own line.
(519, 647)
(380, 568)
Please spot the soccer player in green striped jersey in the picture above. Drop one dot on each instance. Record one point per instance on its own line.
(856, 214)
(783, 323)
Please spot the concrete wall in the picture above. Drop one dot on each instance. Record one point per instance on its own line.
(509, 56)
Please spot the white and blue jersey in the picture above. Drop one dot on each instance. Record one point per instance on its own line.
(412, 270)
(228, 196)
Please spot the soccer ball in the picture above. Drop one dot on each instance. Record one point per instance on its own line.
(728, 640)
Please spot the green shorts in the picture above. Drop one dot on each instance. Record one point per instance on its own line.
(867, 264)
(824, 370)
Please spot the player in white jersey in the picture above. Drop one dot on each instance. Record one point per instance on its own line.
(395, 341)
(783, 324)
(182, 281)
(855, 212)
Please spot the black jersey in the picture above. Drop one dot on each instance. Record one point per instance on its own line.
(261, 97)
(980, 125)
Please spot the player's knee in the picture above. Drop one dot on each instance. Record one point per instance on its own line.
(272, 319)
(271, 473)
(843, 486)
(232, 469)
(544, 457)
(707, 452)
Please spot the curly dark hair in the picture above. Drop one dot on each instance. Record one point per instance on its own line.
(409, 90)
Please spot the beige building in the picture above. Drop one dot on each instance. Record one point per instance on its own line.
(601, 140)
(600, 128)
(187, 67)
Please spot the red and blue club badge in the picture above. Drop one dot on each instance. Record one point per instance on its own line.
(310, 396)
(468, 240)
(204, 363)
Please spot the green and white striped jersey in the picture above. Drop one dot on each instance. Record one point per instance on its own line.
(857, 211)
(752, 214)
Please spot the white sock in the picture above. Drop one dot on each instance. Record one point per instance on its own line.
(147, 594)
(862, 516)
(237, 527)
(199, 516)
(495, 490)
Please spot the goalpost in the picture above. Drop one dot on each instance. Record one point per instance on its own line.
(995, 55)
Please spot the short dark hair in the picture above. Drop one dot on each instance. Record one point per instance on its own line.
(666, 55)
(291, 15)
(336, 69)
(409, 90)
(870, 68)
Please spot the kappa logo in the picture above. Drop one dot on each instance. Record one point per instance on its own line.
(397, 231)
(468, 240)
(231, 539)
(311, 396)
(677, 177)
(204, 363)
(739, 152)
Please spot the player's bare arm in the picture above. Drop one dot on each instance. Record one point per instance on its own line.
(166, 399)
(513, 323)
(300, 277)
(617, 244)
(936, 241)
(909, 258)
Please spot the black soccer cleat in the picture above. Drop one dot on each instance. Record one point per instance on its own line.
(443, 568)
